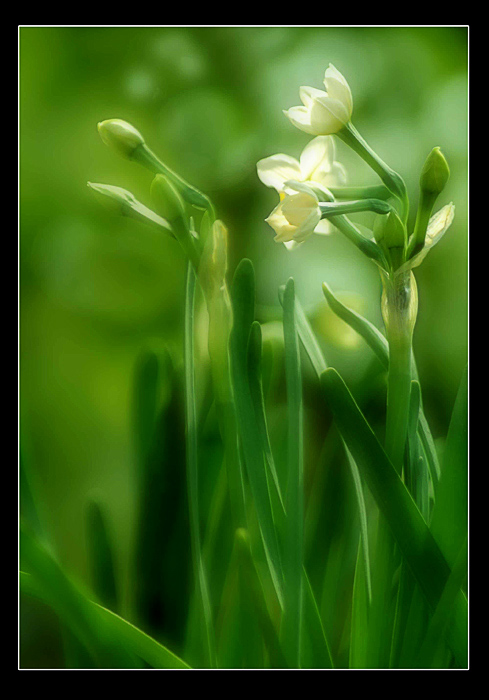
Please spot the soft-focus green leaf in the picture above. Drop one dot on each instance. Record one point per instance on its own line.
(243, 300)
(450, 514)
(113, 642)
(394, 501)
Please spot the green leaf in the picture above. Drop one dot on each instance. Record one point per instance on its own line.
(252, 591)
(450, 514)
(307, 336)
(442, 615)
(294, 540)
(372, 336)
(415, 540)
(243, 301)
(362, 510)
(379, 345)
(256, 388)
(101, 557)
(192, 467)
(111, 641)
(418, 477)
(359, 616)
(314, 647)
(312, 348)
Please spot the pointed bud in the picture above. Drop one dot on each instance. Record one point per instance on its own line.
(434, 177)
(435, 173)
(120, 135)
(168, 202)
(116, 199)
(390, 230)
(124, 203)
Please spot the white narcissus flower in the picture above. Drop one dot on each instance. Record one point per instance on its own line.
(327, 112)
(296, 216)
(316, 166)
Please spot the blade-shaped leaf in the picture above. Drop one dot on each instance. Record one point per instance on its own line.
(112, 641)
(393, 499)
(294, 544)
(450, 514)
(243, 300)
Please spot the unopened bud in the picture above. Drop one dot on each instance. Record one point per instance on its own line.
(390, 230)
(435, 173)
(120, 135)
(122, 202)
(116, 199)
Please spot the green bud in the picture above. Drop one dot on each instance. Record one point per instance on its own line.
(394, 232)
(116, 199)
(434, 177)
(166, 198)
(120, 135)
(124, 203)
(435, 173)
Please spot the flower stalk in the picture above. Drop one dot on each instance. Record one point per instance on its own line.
(392, 180)
(399, 311)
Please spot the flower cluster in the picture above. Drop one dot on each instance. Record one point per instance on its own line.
(299, 182)
(309, 187)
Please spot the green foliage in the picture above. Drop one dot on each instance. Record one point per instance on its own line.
(206, 474)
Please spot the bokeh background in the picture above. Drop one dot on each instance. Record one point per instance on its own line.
(96, 290)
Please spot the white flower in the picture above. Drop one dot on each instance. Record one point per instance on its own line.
(296, 216)
(316, 166)
(323, 112)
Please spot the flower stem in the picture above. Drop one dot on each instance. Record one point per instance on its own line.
(399, 309)
(145, 157)
(368, 247)
(362, 192)
(392, 180)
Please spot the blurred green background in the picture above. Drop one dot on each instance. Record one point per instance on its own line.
(96, 290)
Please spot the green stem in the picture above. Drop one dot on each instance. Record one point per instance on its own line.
(379, 206)
(366, 246)
(369, 191)
(145, 157)
(425, 208)
(398, 397)
(392, 180)
(399, 309)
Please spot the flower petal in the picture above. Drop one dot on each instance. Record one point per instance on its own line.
(309, 94)
(306, 229)
(319, 153)
(324, 228)
(327, 116)
(283, 229)
(338, 88)
(297, 208)
(275, 170)
(300, 117)
(294, 186)
(292, 245)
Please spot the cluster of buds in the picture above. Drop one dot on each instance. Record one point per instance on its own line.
(171, 195)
